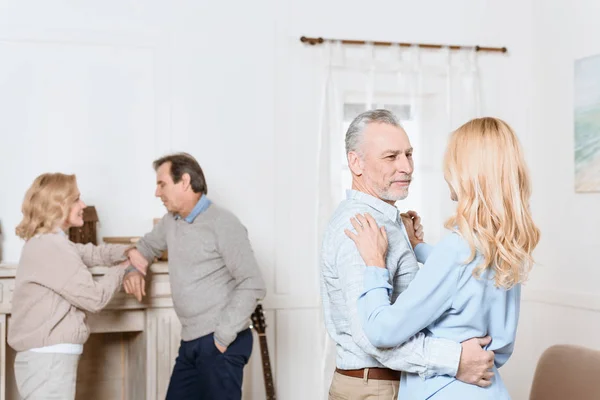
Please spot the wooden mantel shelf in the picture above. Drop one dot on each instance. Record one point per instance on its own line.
(9, 270)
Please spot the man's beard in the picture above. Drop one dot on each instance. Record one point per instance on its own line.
(387, 194)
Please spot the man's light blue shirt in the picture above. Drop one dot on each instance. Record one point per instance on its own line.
(198, 209)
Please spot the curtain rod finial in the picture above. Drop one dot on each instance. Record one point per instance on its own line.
(312, 41)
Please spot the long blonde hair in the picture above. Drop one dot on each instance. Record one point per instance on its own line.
(485, 167)
(47, 204)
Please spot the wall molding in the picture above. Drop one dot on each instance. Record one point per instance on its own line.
(291, 302)
(560, 298)
(563, 298)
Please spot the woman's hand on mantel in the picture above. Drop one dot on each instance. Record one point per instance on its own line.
(135, 284)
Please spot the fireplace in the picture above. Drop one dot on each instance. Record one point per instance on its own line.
(130, 353)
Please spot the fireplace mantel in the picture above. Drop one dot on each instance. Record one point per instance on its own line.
(133, 345)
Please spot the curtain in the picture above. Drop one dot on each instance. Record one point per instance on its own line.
(328, 190)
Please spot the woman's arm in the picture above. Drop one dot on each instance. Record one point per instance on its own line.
(91, 295)
(103, 255)
(428, 296)
(423, 251)
(67, 275)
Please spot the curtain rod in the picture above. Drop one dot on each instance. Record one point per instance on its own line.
(313, 41)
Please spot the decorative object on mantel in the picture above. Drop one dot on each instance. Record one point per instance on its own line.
(313, 41)
(86, 233)
(587, 124)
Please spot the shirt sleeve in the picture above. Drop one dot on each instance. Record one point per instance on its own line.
(429, 295)
(104, 255)
(236, 250)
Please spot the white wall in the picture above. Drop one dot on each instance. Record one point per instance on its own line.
(561, 302)
(101, 89)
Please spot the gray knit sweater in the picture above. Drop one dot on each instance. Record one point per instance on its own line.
(215, 279)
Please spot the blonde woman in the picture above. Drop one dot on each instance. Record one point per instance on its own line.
(470, 283)
(54, 289)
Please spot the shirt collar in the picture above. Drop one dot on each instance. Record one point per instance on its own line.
(386, 209)
(198, 209)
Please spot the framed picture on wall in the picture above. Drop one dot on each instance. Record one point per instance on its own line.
(587, 124)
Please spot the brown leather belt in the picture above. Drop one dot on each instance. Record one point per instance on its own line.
(380, 374)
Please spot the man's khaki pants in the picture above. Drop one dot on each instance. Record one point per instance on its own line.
(349, 388)
(46, 375)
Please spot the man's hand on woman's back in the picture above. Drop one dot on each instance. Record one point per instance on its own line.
(476, 363)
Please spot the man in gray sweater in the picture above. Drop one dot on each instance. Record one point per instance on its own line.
(215, 282)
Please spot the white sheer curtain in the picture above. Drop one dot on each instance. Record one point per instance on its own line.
(328, 190)
(432, 92)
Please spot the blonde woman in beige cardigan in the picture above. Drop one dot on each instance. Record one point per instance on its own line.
(54, 289)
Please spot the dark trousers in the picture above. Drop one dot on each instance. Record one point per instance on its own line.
(202, 372)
